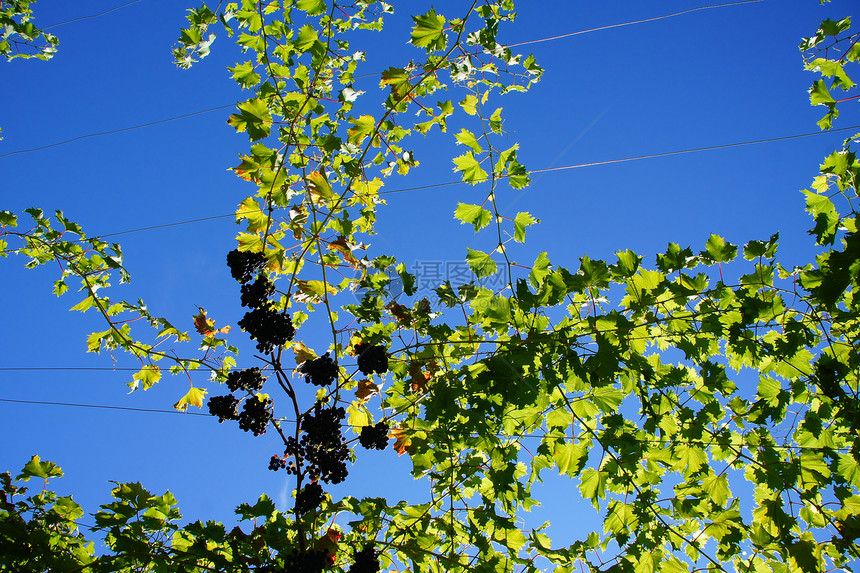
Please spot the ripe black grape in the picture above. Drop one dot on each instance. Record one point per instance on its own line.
(255, 415)
(322, 445)
(365, 561)
(245, 264)
(371, 358)
(247, 380)
(307, 562)
(257, 293)
(310, 497)
(374, 437)
(320, 371)
(225, 407)
(277, 463)
(268, 327)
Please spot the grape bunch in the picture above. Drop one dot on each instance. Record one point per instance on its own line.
(257, 293)
(247, 380)
(374, 437)
(325, 448)
(245, 264)
(306, 562)
(322, 445)
(277, 463)
(320, 371)
(225, 407)
(365, 561)
(310, 497)
(268, 327)
(371, 358)
(256, 415)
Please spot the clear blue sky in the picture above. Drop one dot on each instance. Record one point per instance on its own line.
(706, 78)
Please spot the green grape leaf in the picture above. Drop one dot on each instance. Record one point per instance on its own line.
(474, 214)
(718, 250)
(469, 168)
(245, 75)
(467, 138)
(521, 221)
(429, 31)
(481, 263)
(312, 7)
(39, 469)
(255, 119)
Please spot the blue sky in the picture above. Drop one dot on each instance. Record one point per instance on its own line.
(706, 78)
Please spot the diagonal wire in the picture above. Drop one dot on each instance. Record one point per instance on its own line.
(535, 171)
(100, 407)
(91, 15)
(551, 38)
(632, 22)
(109, 132)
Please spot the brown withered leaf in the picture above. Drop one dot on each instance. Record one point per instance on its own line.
(206, 326)
(400, 312)
(401, 440)
(419, 377)
(345, 248)
(366, 389)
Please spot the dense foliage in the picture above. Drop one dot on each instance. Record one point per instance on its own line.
(708, 407)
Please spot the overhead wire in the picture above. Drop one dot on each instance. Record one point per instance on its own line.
(115, 8)
(534, 171)
(500, 435)
(112, 131)
(528, 42)
(631, 22)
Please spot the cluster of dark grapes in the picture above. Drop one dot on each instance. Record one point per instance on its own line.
(371, 358)
(247, 380)
(374, 437)
(268, 327)
(256, 415)
(321, 445)
(320, 371)
(263, 323)
(225, 407)
(365, 561)
(306, 562)
(257, 293)
(310, 497)
(245, 264)
(324, 447)
(277, 463)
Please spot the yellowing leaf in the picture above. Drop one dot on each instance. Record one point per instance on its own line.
(402, 441)
(312, 290)
(318, 186)
(470, 105)
(147, 377)
(194, 397)
(303, 353)
(357, 416)
(361, 128)
(251, 212)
